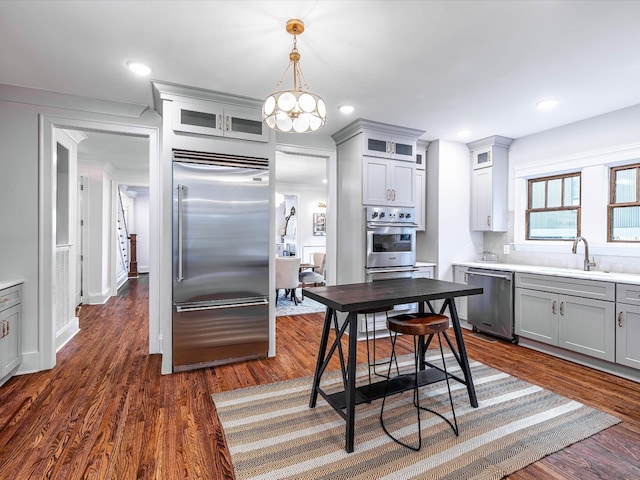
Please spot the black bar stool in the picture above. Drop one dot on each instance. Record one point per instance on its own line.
(374, 363)
(418, 325)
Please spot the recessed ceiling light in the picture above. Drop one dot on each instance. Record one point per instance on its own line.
(346, 109)
(547, 104)
(138, 68)
(324, 180)
(464, 133)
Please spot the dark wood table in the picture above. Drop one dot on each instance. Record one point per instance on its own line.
(352, 298)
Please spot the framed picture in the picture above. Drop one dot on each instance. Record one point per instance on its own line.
(318, 224)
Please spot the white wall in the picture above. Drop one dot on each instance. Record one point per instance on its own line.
(447, 238)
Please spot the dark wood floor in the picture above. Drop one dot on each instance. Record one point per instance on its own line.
(106, 412)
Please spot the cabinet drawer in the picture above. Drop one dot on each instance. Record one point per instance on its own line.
(9, 297)
(566, 285)
(629, 294)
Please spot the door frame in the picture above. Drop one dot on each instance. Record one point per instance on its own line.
(46, 355)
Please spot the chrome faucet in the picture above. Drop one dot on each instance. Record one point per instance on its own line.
(574, 249)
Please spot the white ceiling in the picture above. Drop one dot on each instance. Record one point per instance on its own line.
(437, 66)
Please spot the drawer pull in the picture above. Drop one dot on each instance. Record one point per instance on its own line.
(619, 319)
(561, 308)
(553, 307)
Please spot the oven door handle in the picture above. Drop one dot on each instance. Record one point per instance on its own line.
(373, 225)
(392, 270)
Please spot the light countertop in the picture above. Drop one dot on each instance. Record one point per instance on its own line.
(9, 283)
(614, 277)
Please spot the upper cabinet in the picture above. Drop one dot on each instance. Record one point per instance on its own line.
(206, 118)
(489, 177)
(383, 160)
(387, 182)
(210, 114)
(421, 185)
(388, 145)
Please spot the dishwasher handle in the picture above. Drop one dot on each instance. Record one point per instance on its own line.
(505, 276)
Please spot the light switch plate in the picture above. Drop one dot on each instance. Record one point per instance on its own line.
(506, 249)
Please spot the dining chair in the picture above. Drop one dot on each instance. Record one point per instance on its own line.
(314, 278)
(287, 269)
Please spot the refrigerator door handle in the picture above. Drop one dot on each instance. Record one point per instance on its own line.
(219, 305)
(180, 276)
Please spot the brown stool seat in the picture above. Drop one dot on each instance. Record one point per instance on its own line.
(418, 323)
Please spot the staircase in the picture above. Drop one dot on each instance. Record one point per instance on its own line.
(123, 244)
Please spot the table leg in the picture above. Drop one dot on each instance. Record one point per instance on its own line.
(321, 354)
(462, 351)
(350, 392)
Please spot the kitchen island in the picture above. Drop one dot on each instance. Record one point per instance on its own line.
(352, 298)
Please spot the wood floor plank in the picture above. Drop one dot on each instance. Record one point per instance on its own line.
(106, 412)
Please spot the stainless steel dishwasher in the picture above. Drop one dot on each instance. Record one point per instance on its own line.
(492, 312)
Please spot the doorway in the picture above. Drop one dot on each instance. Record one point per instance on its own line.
(149, 136)
(295, 173)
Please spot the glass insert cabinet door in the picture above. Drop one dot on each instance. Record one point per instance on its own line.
(395, 147)
(212, 119)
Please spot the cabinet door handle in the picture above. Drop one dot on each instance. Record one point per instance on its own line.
(488, 220)
(4, 329)
(619, 319)
(553, 307)
(394, 194)
(561, 308)
(220, 126)
(389, 147)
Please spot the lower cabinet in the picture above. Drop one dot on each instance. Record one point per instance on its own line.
(460, 276)
(581, 324)
(628, 335)
(10, 342)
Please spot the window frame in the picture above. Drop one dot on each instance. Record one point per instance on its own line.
(612, 196)
(529, 210)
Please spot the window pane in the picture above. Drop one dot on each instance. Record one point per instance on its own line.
(559, 225)
(554, 193)
(626, 224)
(537, 194)
(625, 185)
(571, 191)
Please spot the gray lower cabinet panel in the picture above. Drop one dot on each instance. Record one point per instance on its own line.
(587, 326)
(628, 335)
(536, 315)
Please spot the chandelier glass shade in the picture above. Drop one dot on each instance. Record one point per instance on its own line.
(296, 110)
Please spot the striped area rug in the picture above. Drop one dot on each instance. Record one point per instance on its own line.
(273, 434)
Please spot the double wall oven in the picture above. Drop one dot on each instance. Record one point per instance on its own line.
(391, 242)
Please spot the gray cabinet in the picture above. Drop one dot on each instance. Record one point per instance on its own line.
(10, 331)
(460, 276)
(545, 312)
(489, 180)
(628, 325)
(388, 182)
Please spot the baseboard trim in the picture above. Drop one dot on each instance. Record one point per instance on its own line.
(67, 333)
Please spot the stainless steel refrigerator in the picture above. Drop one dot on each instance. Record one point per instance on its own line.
(220, 259)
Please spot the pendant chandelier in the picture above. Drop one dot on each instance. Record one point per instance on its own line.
(297, 110)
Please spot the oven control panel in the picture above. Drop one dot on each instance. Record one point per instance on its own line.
(391, 214)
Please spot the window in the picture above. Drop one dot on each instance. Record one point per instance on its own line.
(624, 204)
(553, 209)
